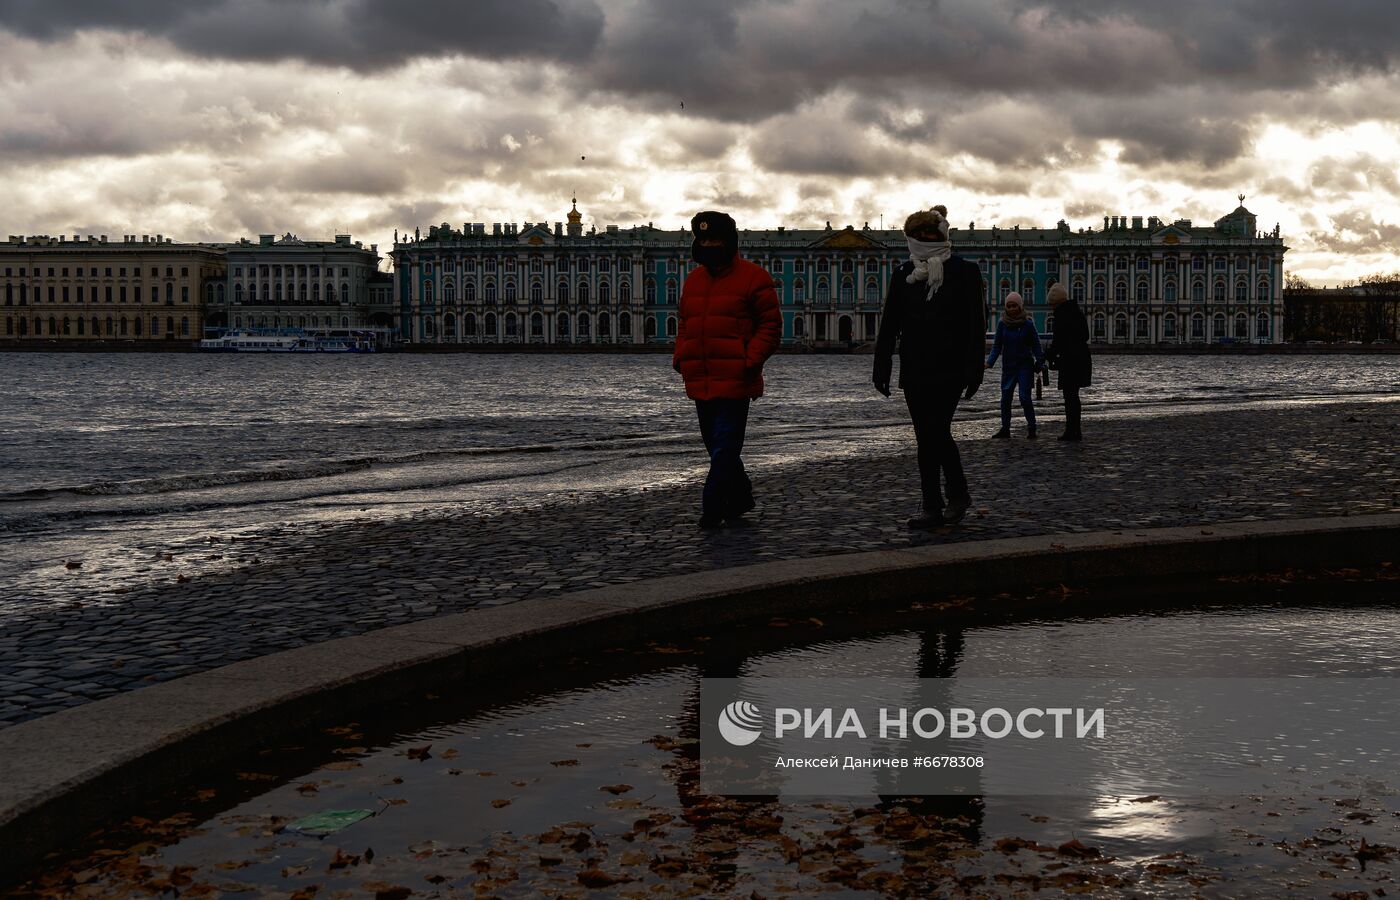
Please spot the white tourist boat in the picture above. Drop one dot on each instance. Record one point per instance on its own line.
(292, 342)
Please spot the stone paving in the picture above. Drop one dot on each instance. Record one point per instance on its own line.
(1336, 459)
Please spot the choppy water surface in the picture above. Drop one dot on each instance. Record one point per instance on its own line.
(112, 458)
(595, 781)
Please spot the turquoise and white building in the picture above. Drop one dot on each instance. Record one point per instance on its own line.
(1142, 281)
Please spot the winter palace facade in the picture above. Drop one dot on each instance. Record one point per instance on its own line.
(1138, 280)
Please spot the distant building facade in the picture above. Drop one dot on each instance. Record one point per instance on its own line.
(288, 282)
(91, 289)
(1140, 281)
(1363, 315)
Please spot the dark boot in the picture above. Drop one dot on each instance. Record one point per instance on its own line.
(1004, 433)
(1071, 436)
(1030, 432)
(956, 510)
(929, 517)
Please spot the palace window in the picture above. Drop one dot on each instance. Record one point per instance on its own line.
(491, 294)
(650, 289)
(1120, 292)
(1142, 292)
(536, 293)
(1261, 325)
(510, 291)
(624, 292)
(671, 326)
(823, 292)
(1241, 292)
(1219, 292)
(469, 292)
(1169, 292)
(823, 265)
(1100, 292)
(583, 295)
(1140, 327)
(799, 291)
(1241, 325)
(624, 327)
(1100, 326)
(1217, 323)
(847, 265)
(671, 294)
(1198, 291)
(1169, 326)
(604, 294)
(536, 325)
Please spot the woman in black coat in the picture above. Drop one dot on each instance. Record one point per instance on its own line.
(1068, 354)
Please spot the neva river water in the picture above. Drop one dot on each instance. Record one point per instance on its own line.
(115, 459)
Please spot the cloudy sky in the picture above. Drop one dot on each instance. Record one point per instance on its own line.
(214, 119)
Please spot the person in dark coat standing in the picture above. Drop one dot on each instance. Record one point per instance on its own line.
(1018, 345)
(1068, 355)
(934, 312)
(729, 325)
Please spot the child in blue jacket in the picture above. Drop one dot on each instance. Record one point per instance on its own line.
(1018, 345)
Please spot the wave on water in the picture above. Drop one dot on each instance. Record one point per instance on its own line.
(320, 468)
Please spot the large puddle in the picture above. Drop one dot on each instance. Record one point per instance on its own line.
(586, 779)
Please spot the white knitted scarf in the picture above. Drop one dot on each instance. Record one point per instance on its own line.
(928, 258)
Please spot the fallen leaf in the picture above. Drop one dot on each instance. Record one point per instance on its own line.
(597, 878)
(564, 762)
(420, 753)
(498, 804)
(1077, 849)
(616, 788)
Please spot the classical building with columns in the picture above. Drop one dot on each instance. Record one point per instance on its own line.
(145, 288)
(1139, 280)
(289, 282)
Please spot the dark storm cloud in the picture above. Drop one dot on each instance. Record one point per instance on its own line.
(1176, 83)
(1355, 231)
(359, 34)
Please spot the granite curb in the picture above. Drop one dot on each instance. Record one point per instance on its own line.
(66, 773)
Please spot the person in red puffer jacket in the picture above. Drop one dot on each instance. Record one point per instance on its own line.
(729, 325)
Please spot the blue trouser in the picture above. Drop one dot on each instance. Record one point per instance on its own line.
(728, 490)
(1010, 381)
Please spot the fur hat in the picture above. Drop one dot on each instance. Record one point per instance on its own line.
(713, 224)
(935, 219)
(1057, 293)
(1016, 297)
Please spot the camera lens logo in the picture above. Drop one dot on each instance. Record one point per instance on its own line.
(741, 723)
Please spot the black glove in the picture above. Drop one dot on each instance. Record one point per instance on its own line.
(881, 378)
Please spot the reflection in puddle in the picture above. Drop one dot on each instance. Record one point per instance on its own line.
(565, 791)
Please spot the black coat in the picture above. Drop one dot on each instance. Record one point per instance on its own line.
(1068, 352)
(942, 340)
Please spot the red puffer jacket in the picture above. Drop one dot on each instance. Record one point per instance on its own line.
(728, 328)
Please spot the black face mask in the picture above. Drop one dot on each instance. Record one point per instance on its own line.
(711, 257)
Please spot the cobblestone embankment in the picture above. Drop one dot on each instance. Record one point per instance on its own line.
(1330, 460)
